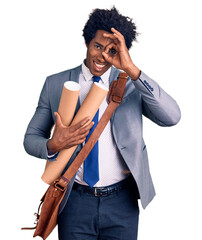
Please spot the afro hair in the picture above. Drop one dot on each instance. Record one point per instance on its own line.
(104, 19)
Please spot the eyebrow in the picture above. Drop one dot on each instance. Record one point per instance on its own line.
(99, 44)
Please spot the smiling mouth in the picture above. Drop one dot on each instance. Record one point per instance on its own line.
(99, 67)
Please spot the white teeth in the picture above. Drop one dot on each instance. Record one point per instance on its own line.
(99, 65)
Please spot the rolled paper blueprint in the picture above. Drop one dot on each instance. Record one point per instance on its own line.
(89, 108)
(68, 101)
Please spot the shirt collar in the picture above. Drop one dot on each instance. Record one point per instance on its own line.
(88, 75)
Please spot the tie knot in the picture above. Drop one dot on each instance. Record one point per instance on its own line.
(96, 79)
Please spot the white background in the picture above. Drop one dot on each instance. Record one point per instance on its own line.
(39, 38)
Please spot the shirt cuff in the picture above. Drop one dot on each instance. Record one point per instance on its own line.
(52, 156)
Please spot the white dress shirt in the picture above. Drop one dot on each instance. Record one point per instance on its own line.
(111, 164)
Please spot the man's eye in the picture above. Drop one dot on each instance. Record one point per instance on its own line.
(112, 51)
(97, 46)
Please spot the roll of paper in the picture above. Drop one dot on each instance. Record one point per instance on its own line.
(68, 101)
(89, 108)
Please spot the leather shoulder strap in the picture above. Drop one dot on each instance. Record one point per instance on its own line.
(117, 88)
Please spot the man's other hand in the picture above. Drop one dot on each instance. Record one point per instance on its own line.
(66, 137)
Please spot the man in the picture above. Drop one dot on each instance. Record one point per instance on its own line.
(109, 208)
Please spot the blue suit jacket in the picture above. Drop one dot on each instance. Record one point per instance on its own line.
(142, 97)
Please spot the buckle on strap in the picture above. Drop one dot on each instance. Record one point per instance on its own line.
(59, 186)
(61, 183)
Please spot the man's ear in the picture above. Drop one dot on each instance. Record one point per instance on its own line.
(87, 44)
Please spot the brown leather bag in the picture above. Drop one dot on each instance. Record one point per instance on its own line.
(50, 202)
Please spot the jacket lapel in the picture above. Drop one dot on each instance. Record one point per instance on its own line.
(113, 75)
(74, 74)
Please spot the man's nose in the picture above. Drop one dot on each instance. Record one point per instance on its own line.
(100, 57)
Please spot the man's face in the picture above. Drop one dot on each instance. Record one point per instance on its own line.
(94, 60)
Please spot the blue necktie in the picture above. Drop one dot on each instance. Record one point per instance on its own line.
(91, 165)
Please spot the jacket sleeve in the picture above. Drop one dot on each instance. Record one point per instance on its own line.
(157, 105)
(39, 128)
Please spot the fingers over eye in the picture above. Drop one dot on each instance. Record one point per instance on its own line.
(111, 48)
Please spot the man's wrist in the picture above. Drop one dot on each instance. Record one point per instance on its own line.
(133, 72)
(52, 150)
